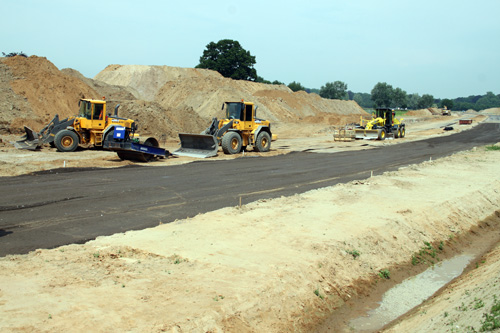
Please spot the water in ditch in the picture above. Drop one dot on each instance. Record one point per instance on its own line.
(411, 292)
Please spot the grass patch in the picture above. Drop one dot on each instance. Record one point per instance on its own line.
(492, 147)
(384, 274)
(491, 320)
(353, 253)
(317, 293)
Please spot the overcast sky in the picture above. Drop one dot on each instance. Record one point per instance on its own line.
(446, 48)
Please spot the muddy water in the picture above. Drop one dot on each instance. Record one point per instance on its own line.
(411, 292)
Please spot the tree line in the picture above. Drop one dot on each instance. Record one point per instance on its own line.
(230, 59)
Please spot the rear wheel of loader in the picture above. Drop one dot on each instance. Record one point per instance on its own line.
(263, 142)
(398, 133)
(382, 134)
(66, 141)
(231, 143)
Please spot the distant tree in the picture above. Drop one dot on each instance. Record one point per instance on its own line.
(276, 82)
(334, 90)
(363, 99)
(448, 103)
(425, 101)
(400, 98)
(229, 59)
(350, 95)
(260, 79)
(489, 100)
(296, 86)
(13, 54)
(382, 94)
(413, 101)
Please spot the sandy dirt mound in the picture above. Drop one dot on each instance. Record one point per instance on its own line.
(495, 111)
(204, 91)
(164, 100)
(110, 92)
(419, 113)
(147, 80)
(47, 90)
(273, 265)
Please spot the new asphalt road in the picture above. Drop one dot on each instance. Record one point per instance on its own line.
(65, 206)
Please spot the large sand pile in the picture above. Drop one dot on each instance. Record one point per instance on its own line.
(204, 91)
(163, 100)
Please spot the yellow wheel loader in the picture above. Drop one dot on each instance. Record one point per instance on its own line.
(240, 129)
(93, 127)
(383, 124)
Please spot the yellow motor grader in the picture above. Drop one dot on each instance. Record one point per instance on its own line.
(240, 129)
(93, 127)
(383, 124)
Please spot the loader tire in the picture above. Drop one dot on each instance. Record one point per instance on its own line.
(403, 132)
(66, 141)
(263, 142)
(231, 143)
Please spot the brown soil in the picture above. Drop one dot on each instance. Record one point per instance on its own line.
(259, 267)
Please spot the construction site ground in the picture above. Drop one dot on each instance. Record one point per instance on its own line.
(262, 266)
(301, 263)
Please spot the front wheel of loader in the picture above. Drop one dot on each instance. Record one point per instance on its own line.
(66, 141)
(403, 132)
(263, 142)
(231, 143)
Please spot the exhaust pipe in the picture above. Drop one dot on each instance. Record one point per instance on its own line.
(116, 109)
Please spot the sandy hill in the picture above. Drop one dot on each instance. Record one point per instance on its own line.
(163, 100)
(204, 91)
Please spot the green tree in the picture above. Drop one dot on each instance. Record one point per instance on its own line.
(425, 101)
(229, 59)
(413, 101)
(487, 101)
(334, 90)
(400, 98)
(13, 54)
(296, 86)
(448, 103)
(382, 94)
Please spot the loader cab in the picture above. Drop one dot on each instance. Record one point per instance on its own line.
(241, 112)
(92, 114)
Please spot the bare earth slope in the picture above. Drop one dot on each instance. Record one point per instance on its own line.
(163, 100)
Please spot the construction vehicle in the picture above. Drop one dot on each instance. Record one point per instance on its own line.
(383, 124)
(445, 111)
(93, 127)
(240, 129)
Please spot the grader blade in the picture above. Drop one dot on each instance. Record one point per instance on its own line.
(372, 134)
(197, 145)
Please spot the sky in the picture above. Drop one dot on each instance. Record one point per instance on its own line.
(446, 48)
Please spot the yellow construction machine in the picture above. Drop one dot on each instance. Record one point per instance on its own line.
(383, 124)
(240, 129)
(93, 127)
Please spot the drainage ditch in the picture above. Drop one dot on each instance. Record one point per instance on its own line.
(392, 300)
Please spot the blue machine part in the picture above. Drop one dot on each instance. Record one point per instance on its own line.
(119, 132)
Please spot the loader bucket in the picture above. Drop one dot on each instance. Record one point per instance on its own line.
(29, 141)
(197, 145)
